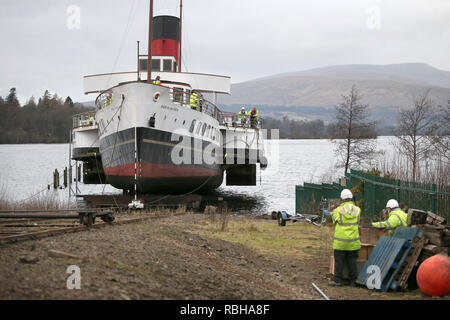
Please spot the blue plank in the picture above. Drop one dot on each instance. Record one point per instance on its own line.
(388, 254)
(408, 233)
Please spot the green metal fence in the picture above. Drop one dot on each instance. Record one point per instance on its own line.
(375, 191)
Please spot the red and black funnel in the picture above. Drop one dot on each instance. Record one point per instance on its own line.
(166, 37)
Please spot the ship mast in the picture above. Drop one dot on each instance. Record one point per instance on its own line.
(181, 34)
(150, 36)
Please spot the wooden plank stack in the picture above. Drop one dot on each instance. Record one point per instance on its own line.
(437, 234)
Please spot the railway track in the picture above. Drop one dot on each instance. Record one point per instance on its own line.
(18, 225)
(20, 229)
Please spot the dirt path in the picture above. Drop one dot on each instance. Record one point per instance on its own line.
(169, 258)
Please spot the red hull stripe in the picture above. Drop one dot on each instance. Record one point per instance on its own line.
(149, 170)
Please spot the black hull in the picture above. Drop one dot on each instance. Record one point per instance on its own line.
(156, 173)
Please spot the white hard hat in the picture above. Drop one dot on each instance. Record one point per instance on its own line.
(392, 204)
(242, 108)
(346, 194)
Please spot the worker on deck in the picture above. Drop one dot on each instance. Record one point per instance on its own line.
(108, 99)
(157, 81)
(254, 117)
(194, 100)
(397, 217)
(242, 115)
(346, 242)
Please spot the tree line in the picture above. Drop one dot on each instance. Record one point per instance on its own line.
(47, 120)
(298, 129)
(422, 133)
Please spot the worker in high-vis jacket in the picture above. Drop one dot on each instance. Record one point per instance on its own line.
(254, 117)
(397, 217)
(157, 81)
(194, 100)
(346, 243)
(242, 115)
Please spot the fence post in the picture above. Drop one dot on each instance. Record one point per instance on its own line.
(433, 198)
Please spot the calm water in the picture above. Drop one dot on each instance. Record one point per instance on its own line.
(27, 169)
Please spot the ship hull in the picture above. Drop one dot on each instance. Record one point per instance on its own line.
(154, 165)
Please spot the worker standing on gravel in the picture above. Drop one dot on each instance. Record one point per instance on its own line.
(346, 242)
(397, 217)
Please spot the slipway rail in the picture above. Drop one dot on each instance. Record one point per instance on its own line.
(20, 227)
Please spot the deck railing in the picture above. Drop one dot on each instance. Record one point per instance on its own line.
(84, 119)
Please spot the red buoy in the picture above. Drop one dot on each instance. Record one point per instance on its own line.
(433, 276)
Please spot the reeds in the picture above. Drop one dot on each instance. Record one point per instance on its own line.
(430, 170)
(44, 201)
(219, 217)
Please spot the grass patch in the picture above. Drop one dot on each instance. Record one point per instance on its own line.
(132, 269)
(296, 240)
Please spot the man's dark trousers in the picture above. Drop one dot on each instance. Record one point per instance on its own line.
(342, 258)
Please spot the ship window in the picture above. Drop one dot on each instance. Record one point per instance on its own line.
(143, 65)
(208, 130)
(198, 128)
(167, 65)
(156, 64)
(175, 66)
(177, 94)
(204, 129)
(191, 129)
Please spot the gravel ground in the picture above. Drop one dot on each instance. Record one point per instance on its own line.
(164, 258)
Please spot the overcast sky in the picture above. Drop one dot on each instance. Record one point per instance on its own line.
(44, 45)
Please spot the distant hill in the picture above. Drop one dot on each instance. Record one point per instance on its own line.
(88, 104)
(394, 86)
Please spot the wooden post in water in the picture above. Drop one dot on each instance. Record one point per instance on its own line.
(65, 177)
(55, 179)
(79, 173)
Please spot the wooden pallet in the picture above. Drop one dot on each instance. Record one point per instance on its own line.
(410, 263)
(389, 255)
(415, 236)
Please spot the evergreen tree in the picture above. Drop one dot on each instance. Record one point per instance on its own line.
(31, 103)
(11, 99)
(69, 102)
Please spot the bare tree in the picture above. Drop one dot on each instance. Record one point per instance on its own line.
(353, 134)
(415, 127)
(441, 140)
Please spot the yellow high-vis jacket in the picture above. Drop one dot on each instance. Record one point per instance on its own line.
(396, 219)
(346, 233)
